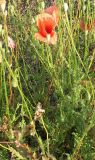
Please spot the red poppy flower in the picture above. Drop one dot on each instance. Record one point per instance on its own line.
(46, 26)
(84, 26)
(54, 11)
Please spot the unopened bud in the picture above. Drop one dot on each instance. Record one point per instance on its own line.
(65, 7)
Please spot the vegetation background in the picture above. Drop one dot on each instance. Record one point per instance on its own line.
(47, 92)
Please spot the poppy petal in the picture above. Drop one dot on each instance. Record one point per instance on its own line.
(85, 26)
(49, 25)
(38, 36)
(50, 9)
(82, 25)
(52, 40)
(41, 27)
(54, 11)
(45, 23)
(44, 16)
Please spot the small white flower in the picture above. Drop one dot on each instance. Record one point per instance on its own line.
(65, 7)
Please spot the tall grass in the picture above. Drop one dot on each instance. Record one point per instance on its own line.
(60, 77)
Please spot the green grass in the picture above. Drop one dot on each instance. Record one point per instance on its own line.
(61, 77)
